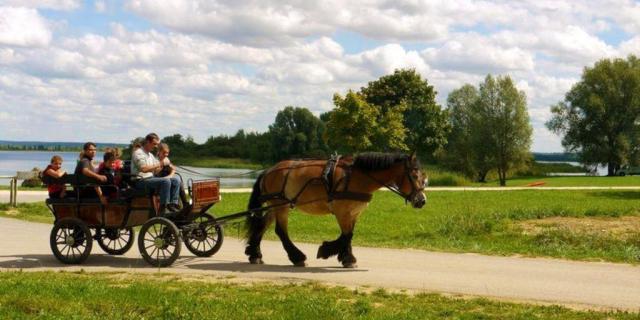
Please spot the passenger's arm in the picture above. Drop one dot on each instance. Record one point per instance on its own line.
(56, 174)
(87, 172)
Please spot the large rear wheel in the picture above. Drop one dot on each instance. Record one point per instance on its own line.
(206, 239)
(159, 242)
(70, 240)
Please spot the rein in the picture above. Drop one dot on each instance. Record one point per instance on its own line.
(239, 175)
(394, 187)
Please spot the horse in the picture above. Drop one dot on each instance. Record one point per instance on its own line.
(339, 186)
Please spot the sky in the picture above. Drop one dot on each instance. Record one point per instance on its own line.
(110, 71)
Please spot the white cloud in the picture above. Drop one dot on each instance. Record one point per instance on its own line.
(23, 27)
(44, 4)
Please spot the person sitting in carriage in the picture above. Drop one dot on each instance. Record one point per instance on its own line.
(144, 166)
(108, 169)
(85, 171)
(169, 171)
(54, 171)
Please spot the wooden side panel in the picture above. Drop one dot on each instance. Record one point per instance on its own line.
(64, 210)
(137, 217)
(205, 193)
(91, 214)
(115, 214)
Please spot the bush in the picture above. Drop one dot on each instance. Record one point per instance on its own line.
(438, 178)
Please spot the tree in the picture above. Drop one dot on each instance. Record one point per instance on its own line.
(507, 131)
(461, 104)
(490, 128)
(599, 116)
(296, 132)
(405, 92)
(353, 124)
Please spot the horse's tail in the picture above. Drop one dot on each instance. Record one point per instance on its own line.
(255, 221)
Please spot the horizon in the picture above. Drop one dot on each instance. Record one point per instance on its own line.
(110, 70)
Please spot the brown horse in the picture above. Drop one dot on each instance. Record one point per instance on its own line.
(342, 187)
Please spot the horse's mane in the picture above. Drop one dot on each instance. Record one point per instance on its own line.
(373, 161)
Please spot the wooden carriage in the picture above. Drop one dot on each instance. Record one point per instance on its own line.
(112, 224)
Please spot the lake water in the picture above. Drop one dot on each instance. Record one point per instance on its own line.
(12, 161)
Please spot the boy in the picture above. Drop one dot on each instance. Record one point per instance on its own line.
(55, 171)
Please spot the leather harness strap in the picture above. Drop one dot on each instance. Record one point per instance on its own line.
(327, 178)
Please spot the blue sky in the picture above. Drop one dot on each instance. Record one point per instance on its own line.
(111, 70)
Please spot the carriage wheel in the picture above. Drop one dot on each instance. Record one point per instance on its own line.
(70, 240)
(206, 239)
(159, 242)
(115, 241)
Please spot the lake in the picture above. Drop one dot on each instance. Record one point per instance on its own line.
(12, 161)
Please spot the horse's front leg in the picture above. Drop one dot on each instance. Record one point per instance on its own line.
(342, 245)
(296, 256)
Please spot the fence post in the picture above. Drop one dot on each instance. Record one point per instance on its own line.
(13, 196)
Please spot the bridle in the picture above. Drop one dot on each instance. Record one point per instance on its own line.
(407, 175)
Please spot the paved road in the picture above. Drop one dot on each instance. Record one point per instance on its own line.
(25, 246)
(35, 196)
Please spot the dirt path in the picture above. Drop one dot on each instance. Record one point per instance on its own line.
(25, 246)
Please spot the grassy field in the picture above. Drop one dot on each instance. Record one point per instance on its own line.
(579, 181)
(590, 225)
(122, 296)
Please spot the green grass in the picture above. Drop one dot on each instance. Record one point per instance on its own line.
(579, 181)
(35, 212)
(43, 188)
(466, 221)
(224, 163)
(46, 295)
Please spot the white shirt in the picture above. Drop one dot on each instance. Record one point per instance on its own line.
(141, 159)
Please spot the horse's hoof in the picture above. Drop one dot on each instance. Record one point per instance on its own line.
(349, 265)
(256, 261)
(300, 264)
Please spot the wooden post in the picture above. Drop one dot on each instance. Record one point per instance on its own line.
(13, 196)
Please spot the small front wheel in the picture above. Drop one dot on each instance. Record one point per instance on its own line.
(206, 239)
(71, 241)
(115, 241)
(159, 242)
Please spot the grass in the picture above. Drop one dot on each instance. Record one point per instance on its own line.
(485, 222)
(47, 295)
(224, 163)
(579, 181)
(43, 188)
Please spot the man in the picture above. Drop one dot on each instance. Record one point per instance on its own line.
(144, 165)
(85, 171)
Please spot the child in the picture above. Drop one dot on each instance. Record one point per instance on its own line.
(106, 168)
(55, 171)
(168, 170)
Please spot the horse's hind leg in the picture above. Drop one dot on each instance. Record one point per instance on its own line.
(296, 256)
(257, 226)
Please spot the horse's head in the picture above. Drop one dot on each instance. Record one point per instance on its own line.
(412, 182)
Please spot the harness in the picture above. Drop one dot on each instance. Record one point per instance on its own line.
(328, 179)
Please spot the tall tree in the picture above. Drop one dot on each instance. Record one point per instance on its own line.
(296, 132)
(599, 116)
(507, 131)
(407, 93)
(461, 104)
(490, 129)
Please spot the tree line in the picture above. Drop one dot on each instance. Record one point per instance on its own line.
(483, 128)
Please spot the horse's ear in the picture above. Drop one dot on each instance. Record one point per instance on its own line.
(412, 157)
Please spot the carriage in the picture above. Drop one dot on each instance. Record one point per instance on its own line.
(79, 221)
